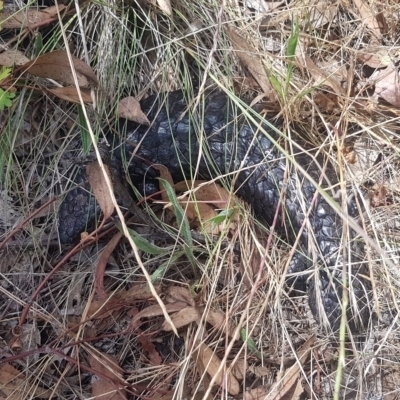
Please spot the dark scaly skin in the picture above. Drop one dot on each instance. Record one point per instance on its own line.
(77, 211)
(230, 144)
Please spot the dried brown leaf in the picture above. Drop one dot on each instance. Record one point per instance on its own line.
(335, 70)
(291, 375)
(12, 57)
(374, 57)
(378, 196)
(322, 13)
(181, 318)
(71, 94)
(321, 77)
(75, 326)
(211, 363)
(138, 291)
(55, 65)
(14, 384)
(105, 313)
(218, 319)
(156, 311)
(149, 347)
(27, 17)
(239, 368)
(201, 201)
(258, 393)
(205, 199)
(129, 108)
(387, 85)
(249, 57)
(263, 6)
(166, 175)
(52, 10)
(197, 212)
(349, 154)
(298, 391)
(208, 191)
(100, 188)
(368, 16)
(259, 371)
(384, 26)
(100, 309)
(107, 366)
(326, 101)
(165, 6)
(102, 263)
(171, 395)
(104, 309)
(180, 294)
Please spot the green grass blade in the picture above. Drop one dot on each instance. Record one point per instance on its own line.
(291, 53)
(160, 271)
(183, 223)
(251, 344)
(144, 245)
(86, 141)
